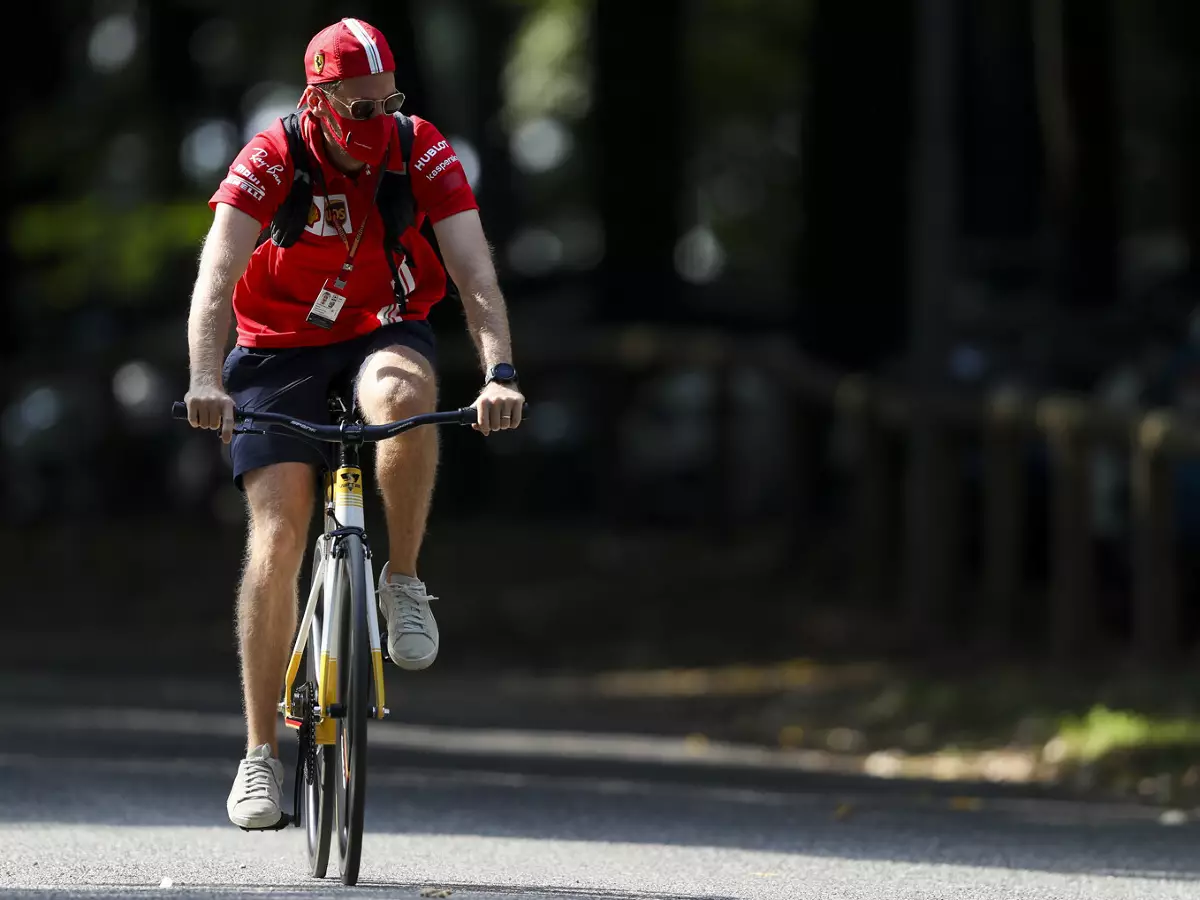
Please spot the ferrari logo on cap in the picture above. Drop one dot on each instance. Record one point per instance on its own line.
(319, 62)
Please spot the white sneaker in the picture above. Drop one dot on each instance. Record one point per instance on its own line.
(412, 630)
(254, 801)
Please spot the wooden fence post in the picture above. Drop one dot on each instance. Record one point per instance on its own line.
(806, 471)
(1004, 504)
(1155, 587)
(932, 510)
(1072, 598)
(723, 471)
(872, 531)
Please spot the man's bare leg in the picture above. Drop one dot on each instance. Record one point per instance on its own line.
(280, 498)
(395, 384)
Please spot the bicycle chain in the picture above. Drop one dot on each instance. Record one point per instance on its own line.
(308, 736)
(306, 753)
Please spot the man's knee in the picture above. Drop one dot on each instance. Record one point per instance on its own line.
(281, 503)
(395, 384)
(279, 542)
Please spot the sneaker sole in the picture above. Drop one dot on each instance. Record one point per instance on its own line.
(252, 823)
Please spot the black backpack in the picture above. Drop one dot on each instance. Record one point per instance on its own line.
(394, 200)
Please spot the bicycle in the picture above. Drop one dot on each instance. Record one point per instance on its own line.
(344, 686)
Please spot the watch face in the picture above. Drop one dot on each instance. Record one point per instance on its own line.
(504, 372)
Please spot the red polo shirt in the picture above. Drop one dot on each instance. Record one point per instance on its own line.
(272, 299)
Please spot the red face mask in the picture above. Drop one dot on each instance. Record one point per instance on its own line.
(364, 139)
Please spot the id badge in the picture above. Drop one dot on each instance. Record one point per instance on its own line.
(325, 308)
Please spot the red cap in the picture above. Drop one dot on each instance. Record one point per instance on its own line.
(348, 49)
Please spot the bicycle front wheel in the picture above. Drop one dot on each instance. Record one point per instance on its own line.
(318, 793)
(354, 662)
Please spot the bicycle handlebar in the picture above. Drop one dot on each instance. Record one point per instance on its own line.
(337, 433)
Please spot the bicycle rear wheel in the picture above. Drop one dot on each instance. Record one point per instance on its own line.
(318, 795)
(354, 662)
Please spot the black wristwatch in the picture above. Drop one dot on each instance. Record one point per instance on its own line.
(502, 373)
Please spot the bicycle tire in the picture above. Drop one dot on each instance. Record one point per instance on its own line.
(318, 797)
(354, 662)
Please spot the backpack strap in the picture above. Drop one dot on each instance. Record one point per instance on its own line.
(397, 207)
(395, 201)
(404, 125)
(406, 215)
(292, 216)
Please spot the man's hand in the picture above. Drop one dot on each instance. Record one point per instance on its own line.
(210, 407)
(499, 408)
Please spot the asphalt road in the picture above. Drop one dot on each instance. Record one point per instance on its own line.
(110, 802)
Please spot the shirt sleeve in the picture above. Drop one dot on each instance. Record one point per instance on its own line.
(439, 184)
(258, 180)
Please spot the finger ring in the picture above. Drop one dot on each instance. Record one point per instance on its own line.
(506, 417)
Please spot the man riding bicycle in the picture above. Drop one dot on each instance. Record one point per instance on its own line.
(338, 296)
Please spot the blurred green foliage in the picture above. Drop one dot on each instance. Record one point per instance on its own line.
(1102, 731)
(548, 71)
(86, 246)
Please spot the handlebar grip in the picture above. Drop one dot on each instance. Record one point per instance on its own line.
(179, 410)
(468, 415)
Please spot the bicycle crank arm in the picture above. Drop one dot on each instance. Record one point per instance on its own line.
(338, 711)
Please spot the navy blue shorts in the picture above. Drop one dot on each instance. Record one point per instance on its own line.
(296, 381)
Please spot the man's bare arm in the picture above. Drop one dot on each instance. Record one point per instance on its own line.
(469, 262)
(226, 253)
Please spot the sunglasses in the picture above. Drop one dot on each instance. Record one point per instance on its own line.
(364, 109)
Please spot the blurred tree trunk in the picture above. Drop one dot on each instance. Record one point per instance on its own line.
(496, 25)
(637, 118)
(395, 20)
(1074, 42)
(639, 122)
(1002, 164)
(29, 113)
(932, 499)
(1179, 30)
(172, 88)
(1189, 154)
(853, 292)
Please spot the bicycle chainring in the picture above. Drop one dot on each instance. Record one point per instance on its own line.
(305, 696)
(303, 700)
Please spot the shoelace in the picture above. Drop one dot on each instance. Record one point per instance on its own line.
(259, 779)
(408, 608)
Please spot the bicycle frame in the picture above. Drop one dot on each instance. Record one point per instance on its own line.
(343, 499)
(344, 515)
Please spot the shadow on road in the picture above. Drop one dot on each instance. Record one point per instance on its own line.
(173, 777)
(365, 888)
